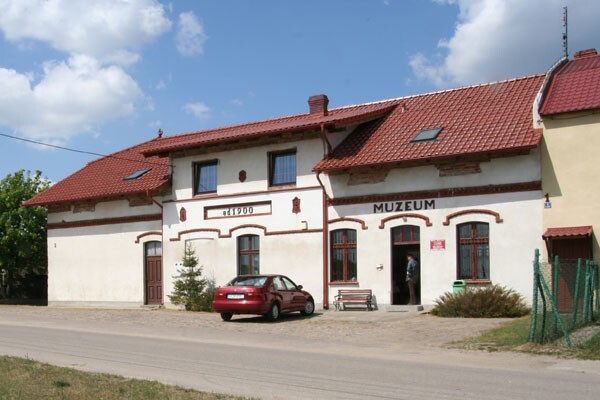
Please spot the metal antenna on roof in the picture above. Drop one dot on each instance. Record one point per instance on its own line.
(565, 33)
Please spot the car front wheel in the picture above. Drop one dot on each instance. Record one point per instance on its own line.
(226, 316)
(273, 313)
(309, 307)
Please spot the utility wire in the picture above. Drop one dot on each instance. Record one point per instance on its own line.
(80, 151)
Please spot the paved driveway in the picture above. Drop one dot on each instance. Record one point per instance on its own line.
(401, 329)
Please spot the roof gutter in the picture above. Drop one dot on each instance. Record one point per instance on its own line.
(433, 160)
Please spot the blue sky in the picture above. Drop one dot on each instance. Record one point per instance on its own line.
(101, 75)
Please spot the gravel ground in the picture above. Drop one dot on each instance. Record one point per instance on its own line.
(400, 329)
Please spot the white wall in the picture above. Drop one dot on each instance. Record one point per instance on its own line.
(99, 265)
(512, 243)
(290, 243)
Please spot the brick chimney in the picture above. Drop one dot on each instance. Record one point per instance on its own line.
(317, 104)
(585, 53)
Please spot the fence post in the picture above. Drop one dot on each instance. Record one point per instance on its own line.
(576, 295)
(595, 288)
(586, 292)
(534, 305)
(554, 293)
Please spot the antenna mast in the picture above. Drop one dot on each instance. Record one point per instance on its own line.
(565, 33)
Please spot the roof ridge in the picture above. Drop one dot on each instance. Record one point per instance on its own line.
(383, 101)
(441, 91)
(127, 149)
(250, 123)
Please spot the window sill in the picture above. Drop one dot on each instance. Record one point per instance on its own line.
(343, 283)
(205, 195)
(478, 281)
(283, 186)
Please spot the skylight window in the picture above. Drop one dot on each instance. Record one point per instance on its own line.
(136, 174)
(426, 134)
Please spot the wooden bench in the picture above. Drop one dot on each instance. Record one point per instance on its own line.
(353, 296)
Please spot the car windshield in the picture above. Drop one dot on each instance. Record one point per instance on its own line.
(256, 281)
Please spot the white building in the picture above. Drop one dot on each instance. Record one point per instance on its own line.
(331, 198)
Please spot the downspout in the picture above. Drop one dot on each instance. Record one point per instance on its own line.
(325, 240)
(329, 148)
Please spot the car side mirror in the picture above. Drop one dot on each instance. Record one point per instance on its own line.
(299, 287)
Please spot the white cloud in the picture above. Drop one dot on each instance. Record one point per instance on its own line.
(70, 98)
(90, 85)
(497, 39)
(199, 109)
(190, 35)
(109, 30)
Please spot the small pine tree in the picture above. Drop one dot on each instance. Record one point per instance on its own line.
(189, 285)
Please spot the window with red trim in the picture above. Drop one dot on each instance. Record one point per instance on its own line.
(343, 255)
(473, 251)
(248, 254)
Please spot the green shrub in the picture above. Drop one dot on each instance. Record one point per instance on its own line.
(189, 286)
(488, 302)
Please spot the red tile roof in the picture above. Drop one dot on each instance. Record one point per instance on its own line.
(103, 178)
(570, 231)
(294, 123)
(574, 85)
(483, 119)
(488, 118)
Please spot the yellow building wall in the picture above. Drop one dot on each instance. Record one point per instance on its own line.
(571, 173)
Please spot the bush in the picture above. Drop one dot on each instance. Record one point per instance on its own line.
(488, 302)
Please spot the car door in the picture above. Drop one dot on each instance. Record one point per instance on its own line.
(283, 293)
(297, 297)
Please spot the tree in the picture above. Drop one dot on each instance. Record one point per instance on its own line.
(23, 235)
(189, 285)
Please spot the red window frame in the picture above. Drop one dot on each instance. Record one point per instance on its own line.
(406, 234)
(473, 241)
(251, 251)
(346, 246)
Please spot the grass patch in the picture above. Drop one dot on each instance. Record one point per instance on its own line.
(590, 350)
(22, 379)
(514, 336)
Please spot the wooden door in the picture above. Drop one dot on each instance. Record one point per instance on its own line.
(154, 284)
(568, 251)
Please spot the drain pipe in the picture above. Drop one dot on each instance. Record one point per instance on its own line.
(326, 140)
(325, 243)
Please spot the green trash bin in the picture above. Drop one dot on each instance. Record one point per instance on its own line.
(459, 286)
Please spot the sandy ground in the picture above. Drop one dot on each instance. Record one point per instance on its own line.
(400, 329)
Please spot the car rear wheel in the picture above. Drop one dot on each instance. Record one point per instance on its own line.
(309, 307)
(273, 313)
(226, 316)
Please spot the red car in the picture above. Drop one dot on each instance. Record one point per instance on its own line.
(268, 295)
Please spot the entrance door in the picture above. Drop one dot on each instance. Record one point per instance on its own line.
(153, 273)
(568, 251)
(405, 241)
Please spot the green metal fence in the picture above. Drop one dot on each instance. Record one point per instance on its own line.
(565, 298)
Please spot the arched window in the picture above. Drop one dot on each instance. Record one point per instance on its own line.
(343, 255)
(473, 251)
(248, 254)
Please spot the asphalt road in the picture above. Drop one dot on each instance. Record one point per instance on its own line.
(271, 366)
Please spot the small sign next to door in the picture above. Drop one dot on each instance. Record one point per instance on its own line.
(437, 245)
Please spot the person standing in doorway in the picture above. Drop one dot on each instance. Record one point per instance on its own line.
(412, 277)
